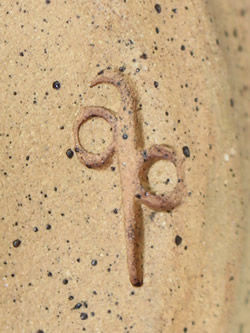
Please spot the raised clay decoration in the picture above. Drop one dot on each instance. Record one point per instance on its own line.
(133, 165)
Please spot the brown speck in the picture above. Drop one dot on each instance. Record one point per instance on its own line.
(143, 56)
(158, 8)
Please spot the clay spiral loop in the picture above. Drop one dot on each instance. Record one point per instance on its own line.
(133, 166)
(89, 159)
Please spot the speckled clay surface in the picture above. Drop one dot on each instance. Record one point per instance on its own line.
(62, 251)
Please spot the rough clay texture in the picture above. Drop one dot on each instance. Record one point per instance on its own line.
(188, 63)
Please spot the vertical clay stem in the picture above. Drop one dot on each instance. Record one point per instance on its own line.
(128, 163)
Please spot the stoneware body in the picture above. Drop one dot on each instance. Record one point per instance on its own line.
(63, 246)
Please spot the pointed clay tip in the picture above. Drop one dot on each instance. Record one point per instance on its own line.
(136, 283)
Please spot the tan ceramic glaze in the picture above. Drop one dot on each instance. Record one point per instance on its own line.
(63, 251)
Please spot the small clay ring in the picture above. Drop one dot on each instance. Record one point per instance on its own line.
(87, 158)
(164, 201)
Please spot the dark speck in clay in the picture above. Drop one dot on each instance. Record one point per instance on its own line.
(125, 136)
(69, 153)
(156, 84)
(144, 56)
(84, 316)
(158, 8)
(17, 243)
(186, 151)
(56, 85)
(77, 306)
(94, 262)
(178, 240)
